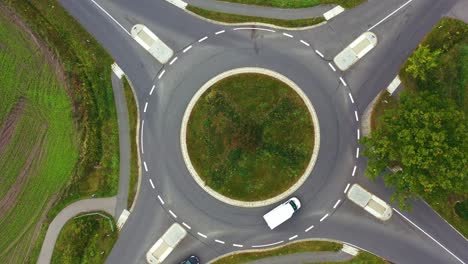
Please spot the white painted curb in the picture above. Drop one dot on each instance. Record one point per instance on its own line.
(183, 134)
(179, 3)
(333, 12)
(117, 70)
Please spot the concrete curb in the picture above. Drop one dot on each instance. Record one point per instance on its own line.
(254, 23)
(219, 196)
(366, 116)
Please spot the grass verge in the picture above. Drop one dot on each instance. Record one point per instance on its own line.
(384, 102)
(240, 139)
(449, 79)
(87, 69)
(85, 239)
(362, 258)
(132, 119)
(298, 3)
(234, 18)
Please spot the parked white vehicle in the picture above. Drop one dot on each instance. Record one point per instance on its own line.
(371, 203)
(355, 51)
(282, 212)
(164, 246)
(150, 42)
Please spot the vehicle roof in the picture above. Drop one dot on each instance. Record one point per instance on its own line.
(174, 234)
(278, 215)
(359, 195)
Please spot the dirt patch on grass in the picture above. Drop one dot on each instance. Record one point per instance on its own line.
(10, 198)
(8, 128)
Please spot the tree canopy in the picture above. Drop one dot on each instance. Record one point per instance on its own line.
(428, 138)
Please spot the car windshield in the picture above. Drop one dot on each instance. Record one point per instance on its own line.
(294, 206)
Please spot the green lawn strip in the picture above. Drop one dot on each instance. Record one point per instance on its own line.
(87, 67)
(132, 119)
(85, 239)
(45, 126)
(297, 3)
(362, 258)
(298, 247)
(449, 79)
(384, 102)
(240, 140)
(234, 18)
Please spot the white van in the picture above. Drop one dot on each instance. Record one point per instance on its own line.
(282, 212)
(355, 51)
(164, 246)
(371, 203)
(150, 42)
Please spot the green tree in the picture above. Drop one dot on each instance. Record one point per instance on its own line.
(422, 62)
(427, 137)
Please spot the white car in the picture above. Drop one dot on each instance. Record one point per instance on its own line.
(371, 203)
(355, 51)
(164, 246)
(282, 212)
(150, 42)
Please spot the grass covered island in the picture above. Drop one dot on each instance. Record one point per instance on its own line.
(250, 137)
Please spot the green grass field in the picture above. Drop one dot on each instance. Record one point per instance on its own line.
(85, 239)
(234, 18)
(87, 70)
(39, 156)
(298, 3)
(250, 137)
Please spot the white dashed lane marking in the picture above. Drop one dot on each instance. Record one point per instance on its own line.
(351, 97)
(354, 170)
(152, 184)
(220, 241)
(161, 74)
(357, 153)
(336, 204)
(319, 53)
(152, 90)
(187, 226)
(309, 228)
(220, 32)
(331, 66)
(160, 199)
(173, 60)
(146, 167)
(323, 217)
(358, 134)
(146, 106)
(202, 235)
(356, 115)
(347, 187)
(172, 213)
(202, 39)
(293, 237)
(288, 35)
(343, 82)
(305, 43)
(187, 49)
(237, 245)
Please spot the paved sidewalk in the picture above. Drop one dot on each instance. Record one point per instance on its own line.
(306, 257)
(100, 204)
(261, 11)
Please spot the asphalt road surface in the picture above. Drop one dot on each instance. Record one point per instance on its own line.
(168, 192)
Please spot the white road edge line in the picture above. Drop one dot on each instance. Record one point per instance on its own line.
(356, 114)
(347, 187)
(357, 153)
(172, 213)
(220, 32)
(351, 97)
(293, 237)
(146, 167)
(305, 43)
(161, 74)
(202, 235)
(358, 134)
(343, 82)
(187, 226)
(220, 241)
(152, 89)
(319, 53)
(331, 66)
(141, 136)
(202, 39)
(146, 106)
(152, 184)
(103, 10)
(323, 217)
(354, 170)
(337, 203)
(288, 35)
(420, 229)
(237, 245)
(309, 228)
(391, 14)
(160, 199)
(173, 60)
(267, 245)
(264, 29)
(187, 49)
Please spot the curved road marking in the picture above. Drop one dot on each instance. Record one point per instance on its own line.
(152, 89)
(187, 49)
(268, 245)
(342, 81)
(351, 97)
(288, 35)
(337, 203)
(202, 235)
(161, 74)
(433, 239)
(172, 213)
(347, 187)
(219, 241)
(141, 136)
(237, 245)
(173, 60)
(319, 53)
(187, 226)
(220, 32)
(152, 184)
(146, 167)
(146, 106)
(331, 66)
(202, 39)
(253, 28)
(293, 237)
(309, 228)
(305, 43)
(160, 199)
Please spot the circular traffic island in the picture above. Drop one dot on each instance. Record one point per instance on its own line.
(250, 138)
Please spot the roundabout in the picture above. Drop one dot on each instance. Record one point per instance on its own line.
(214, 221)
(238, 125)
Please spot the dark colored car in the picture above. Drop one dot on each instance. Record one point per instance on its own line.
(191, 260)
